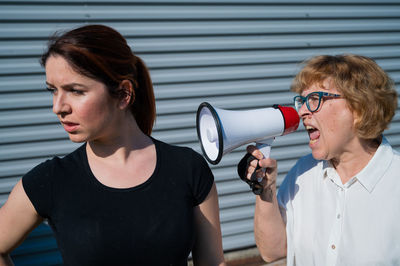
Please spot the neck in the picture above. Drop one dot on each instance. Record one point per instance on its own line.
(125, 139)
(350, 163)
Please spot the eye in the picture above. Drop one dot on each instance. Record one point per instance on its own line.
(313, 97)
(51, 90)
(76, 91)
(299, 100)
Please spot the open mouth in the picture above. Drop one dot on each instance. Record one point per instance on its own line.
(313, 133)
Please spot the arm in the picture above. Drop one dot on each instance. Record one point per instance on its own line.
(207, 249)
(5, 260)
(18, 218)
(269, 227)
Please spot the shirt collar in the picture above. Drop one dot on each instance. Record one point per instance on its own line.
(370, 175)
(330, 172)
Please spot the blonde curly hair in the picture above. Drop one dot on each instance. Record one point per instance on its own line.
(367, 88)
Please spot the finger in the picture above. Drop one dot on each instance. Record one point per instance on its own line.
(255, 152)
(267, 163)
(254, 164)
(251, 167)
(256, 175)
(252, 172)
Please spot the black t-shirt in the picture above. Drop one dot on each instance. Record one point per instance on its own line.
(149, 224)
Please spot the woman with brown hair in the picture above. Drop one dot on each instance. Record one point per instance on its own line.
(123, 197)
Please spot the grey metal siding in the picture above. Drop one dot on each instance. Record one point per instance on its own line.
(233, 54)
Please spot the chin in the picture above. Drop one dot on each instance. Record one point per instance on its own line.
(77, 139)
(318, 156)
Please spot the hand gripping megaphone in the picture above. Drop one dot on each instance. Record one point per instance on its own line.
(220, 131)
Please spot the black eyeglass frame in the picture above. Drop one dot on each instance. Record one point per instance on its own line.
(321, 94)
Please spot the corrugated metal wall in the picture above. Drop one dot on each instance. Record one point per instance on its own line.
(235, 54)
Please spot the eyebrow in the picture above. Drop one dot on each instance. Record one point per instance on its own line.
(69, 85)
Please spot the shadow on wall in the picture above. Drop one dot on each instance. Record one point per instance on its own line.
(39, 248)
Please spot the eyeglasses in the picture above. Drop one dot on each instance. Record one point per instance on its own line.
(312, 100)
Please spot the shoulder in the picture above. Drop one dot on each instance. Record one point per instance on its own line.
(48, 168)
(301, 172)
(166, 147)
(396, 153)
(388, 156)
(188, 166)
(179, 154)
(41, 171)
(303, 166)
(77, 156)
(386, 153)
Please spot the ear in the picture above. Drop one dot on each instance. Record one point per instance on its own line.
(357, 119)
(127, 94)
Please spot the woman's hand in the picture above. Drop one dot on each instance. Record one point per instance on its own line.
(264, 170)
(269, 228)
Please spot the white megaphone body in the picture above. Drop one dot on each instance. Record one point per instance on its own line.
(220, 131)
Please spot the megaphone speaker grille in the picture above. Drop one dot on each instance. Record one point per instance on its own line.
(209, 133)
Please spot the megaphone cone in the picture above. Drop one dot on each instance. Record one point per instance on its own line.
(220, 131)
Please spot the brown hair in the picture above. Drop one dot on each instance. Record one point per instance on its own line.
(367, 88)
(101, 53)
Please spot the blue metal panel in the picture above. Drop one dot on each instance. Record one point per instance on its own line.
(39, 249)
(95, 12)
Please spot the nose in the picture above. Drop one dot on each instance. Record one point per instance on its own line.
(60, 104)
(303, 111)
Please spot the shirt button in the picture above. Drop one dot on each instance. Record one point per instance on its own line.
(333, 246)
(338, 216)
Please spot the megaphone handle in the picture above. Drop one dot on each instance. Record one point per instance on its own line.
(265, 148)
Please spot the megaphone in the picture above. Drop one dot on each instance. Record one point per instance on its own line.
(221, 131)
